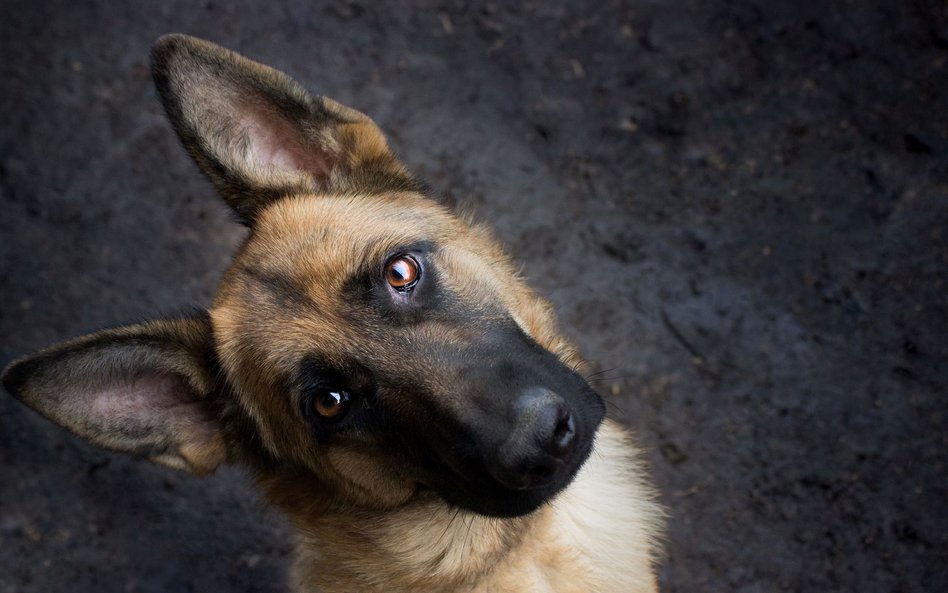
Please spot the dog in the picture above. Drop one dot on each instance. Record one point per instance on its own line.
(375, 361)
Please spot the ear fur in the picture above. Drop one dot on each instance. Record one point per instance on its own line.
(144, 389)
(257, 134)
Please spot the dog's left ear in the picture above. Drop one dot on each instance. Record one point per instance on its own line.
(144, 389)
(258, 135)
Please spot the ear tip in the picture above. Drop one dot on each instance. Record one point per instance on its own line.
(172, 46)
(170, 39)
(15, 376)
(162, 52)
(169, 44)
(169, 56)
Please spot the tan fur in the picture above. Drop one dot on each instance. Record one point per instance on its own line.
(325, 198)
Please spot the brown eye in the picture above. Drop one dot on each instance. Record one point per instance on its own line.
(402, 272)
(331, 405)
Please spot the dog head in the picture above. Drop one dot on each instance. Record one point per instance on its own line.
(364, 338)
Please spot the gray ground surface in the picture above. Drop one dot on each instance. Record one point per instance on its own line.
(739, 208)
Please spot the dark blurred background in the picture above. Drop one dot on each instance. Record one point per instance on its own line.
(739, 208)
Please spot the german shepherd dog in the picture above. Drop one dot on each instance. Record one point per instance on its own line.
(392, 384)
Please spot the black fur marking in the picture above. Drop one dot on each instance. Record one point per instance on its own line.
(283, 290)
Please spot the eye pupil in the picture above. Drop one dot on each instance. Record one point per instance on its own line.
(402, 272)
(331, 405)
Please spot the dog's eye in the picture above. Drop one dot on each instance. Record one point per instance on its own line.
(331, 405)
(402, 272)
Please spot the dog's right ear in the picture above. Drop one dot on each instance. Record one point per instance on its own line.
(145, 389)
(256, 133)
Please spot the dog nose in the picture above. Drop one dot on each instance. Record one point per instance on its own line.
(539, 445)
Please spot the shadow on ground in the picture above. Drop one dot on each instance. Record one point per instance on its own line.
(740, 210)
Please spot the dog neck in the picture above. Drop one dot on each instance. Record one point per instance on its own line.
(422, 545)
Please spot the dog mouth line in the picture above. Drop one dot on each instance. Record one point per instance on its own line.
(472, 478)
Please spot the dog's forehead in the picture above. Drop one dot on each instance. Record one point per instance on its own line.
(347, 226)
(318, 243)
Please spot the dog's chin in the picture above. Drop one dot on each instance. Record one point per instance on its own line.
(509, 504)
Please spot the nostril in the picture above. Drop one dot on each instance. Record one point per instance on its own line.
(563, 434)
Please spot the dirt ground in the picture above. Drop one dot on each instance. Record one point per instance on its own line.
(739, 208)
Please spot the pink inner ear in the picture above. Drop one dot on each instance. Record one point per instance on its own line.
(275, 143)
(150, 408)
